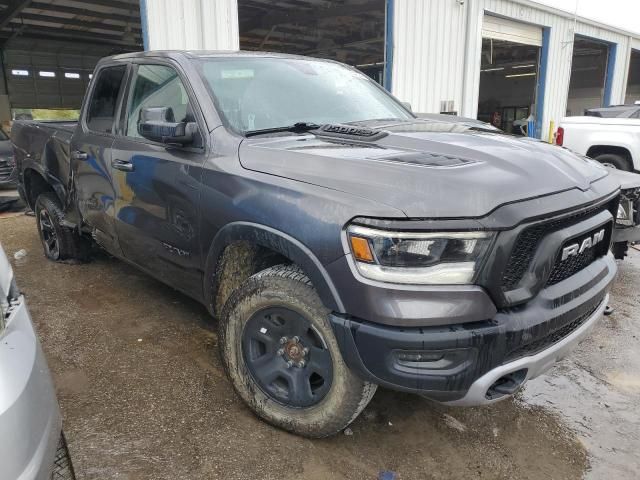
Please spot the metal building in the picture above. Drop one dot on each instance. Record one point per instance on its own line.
(502, 61)
(497, 60)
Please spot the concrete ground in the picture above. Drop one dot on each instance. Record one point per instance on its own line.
(144, 395)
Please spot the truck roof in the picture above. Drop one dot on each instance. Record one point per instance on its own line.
(207, 54)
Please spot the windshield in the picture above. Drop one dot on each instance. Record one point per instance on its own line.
(255, 93)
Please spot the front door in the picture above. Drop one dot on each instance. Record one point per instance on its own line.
(157, 186)
(90, 156)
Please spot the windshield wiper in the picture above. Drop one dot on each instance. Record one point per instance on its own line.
(299, 127)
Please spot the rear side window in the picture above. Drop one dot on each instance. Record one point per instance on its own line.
(102, 107)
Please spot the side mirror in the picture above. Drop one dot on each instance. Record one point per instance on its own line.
(158, 125)
(407, 105)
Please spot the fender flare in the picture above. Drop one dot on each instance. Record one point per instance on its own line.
(57, 186)
(279, 242)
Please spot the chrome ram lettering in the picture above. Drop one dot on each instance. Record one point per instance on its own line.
(578, 248)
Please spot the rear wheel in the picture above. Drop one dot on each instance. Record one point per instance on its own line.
(59, 242)
(282, 357)
(612, 160)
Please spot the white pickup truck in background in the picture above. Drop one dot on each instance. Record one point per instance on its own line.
(615, 142)
(611, 135)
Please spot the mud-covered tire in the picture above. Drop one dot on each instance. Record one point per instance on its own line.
(614, 161)
(62, 466)
(67, 244)
(287, 287)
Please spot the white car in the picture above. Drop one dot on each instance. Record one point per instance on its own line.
(614, 142)
(33, 447)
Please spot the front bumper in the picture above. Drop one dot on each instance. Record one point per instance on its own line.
(30, 421)
(460, 363)
(531, 366)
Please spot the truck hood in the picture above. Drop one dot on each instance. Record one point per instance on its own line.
(425, 168)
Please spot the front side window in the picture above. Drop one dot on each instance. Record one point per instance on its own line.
(157, 86)
(102, 107)
(255, 93)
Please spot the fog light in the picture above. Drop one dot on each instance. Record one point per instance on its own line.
(419, 356)
(433, 362)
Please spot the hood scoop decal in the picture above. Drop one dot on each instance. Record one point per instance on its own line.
(349, 132)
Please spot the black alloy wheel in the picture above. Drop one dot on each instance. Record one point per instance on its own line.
(49, 235)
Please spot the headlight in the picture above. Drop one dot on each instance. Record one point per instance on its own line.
(625, 212)
(622, 215)
(5, 303)
(442, 258)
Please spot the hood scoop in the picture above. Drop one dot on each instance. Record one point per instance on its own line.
(349, 132)
(426, 159)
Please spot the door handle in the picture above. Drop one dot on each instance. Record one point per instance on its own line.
(123, 165)
(78, 155)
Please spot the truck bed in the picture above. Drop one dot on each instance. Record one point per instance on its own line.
(44, 147)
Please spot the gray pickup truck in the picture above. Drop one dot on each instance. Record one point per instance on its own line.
(341, 242)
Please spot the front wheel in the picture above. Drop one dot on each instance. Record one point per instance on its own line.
(282, 357)
(612, 160)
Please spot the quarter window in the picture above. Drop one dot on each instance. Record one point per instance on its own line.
(157, 86)
(102, 108)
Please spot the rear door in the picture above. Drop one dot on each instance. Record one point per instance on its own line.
(90, 154)
(158, 186)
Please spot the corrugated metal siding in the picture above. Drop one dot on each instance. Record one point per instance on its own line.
(192, 24)
(420, 79)
(427, 59)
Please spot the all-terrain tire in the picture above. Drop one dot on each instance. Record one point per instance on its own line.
(286, 286)
(69, 245)
(614, 161)
(62, 467)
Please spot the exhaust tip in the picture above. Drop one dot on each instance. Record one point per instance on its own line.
(506, 385)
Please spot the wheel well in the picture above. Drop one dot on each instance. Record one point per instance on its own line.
(239, 261)
(596, 150)
(34, 185)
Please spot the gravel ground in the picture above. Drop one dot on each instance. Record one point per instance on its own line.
(144, 395)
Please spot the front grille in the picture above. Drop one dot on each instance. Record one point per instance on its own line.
(573, 264)
(5, 170)
(563, 270)
(529, 239)
(562, 326)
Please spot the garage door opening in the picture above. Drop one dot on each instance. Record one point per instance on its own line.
(633, 81)
(50, 49)
(589, 67)
(349, 31)
(508, 80)
(509, 73)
